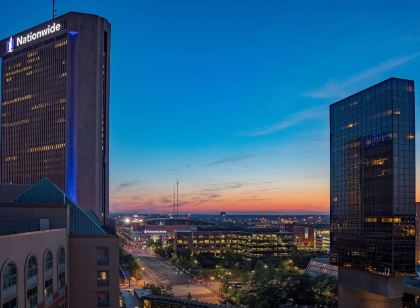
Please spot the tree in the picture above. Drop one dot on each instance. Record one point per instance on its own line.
(324, 291)
(207, 259)
(169, 251)
(149, 242)
(159, 290)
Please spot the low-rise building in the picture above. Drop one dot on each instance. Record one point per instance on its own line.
(321, 266)
(248, 242)
(77, 260)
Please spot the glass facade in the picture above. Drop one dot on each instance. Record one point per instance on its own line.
(33, 116)
(372, 166)
(249, 244)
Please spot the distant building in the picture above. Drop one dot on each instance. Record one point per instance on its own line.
(321, 266)
(373, 193)
(55, 108)
(304, 236)
(322, 239)
(164, 228)
(75, 260)
(248, 242)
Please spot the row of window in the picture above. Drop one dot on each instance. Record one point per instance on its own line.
(9, 289)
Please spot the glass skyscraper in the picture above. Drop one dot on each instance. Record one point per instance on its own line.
(372, 180)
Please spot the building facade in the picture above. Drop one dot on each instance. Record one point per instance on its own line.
(372, 151)
(55, 107)
(34, 269)
(251, 243)
(40, 220)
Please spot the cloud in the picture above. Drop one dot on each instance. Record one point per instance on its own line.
(229, 159)
(124, 185)
(342, 88)
(292, 120)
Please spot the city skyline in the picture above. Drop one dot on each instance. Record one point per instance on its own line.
(226, 97)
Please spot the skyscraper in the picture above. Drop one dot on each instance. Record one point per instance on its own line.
(55, 107)
(373, 185)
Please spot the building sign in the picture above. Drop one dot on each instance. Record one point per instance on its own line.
(154, 231)
(375, 139)
(21, 40)
(10, 45)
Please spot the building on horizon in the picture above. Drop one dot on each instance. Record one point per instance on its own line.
(55, 107)
(372, 193)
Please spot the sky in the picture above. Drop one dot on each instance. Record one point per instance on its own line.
(231, 96)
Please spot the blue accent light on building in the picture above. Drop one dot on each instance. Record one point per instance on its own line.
(71, 136)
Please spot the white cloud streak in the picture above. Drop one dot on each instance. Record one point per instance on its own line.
(292, 120)
(342, 88)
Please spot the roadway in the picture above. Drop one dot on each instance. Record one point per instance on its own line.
(160, 271)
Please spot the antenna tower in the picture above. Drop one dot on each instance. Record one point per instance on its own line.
(177, 195)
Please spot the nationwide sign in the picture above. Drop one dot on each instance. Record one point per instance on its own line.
(12, 42)
(376, 139)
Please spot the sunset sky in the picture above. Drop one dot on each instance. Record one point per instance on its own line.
(231, 96)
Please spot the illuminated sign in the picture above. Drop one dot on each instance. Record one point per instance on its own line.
(31, 36)
(375, 139)
(10, 45)
(154, 231)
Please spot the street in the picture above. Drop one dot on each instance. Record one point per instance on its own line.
(160, 271)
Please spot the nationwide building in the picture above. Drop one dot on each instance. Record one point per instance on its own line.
(55, 107)
(373, 193)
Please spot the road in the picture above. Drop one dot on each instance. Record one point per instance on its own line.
(160, 271)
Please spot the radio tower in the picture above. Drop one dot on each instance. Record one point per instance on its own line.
(174, 203)
(177, 203)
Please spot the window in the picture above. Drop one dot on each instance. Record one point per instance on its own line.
(61, 280)
(102, 278)
(48, 288)
(9, 276)
(103, 299)
(61, 256)
(11, 304)
(48, 261)
(32, 268)
(32, 298)
(102, 256)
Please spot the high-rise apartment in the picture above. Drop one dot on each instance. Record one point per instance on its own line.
(373, 188)
(55, 107)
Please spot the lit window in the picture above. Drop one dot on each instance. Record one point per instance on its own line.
(102, 278)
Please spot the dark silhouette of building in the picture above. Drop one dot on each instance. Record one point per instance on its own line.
(373, 192)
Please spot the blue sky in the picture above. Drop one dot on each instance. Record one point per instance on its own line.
(232, 96)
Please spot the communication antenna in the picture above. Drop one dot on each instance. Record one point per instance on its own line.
(54, 10)
(174, 202)
(177, 195)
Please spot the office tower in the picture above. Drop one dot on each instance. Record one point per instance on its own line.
(373, 188)
(55, 107)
